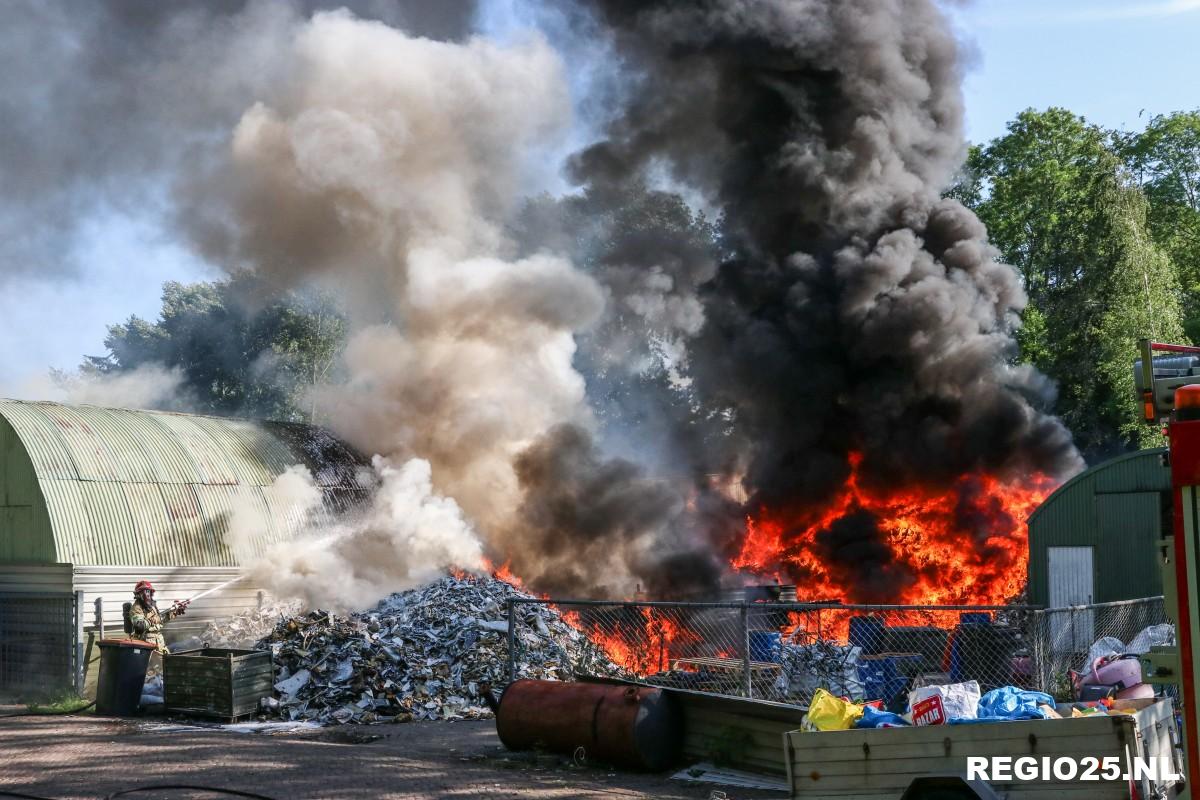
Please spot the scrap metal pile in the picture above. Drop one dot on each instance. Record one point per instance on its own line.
(421, 654)
(243, 630)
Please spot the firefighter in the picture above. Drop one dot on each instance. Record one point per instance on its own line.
(146, 620)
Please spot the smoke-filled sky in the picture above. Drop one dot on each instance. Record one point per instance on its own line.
(115, 261)
(600, 400)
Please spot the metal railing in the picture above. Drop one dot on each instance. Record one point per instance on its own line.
(786, 651)
(39, 644)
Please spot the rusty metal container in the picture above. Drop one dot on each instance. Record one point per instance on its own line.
(630, 726)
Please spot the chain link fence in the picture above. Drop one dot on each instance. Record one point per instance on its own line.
(38, 644)
(786, 651)
(1063, 641)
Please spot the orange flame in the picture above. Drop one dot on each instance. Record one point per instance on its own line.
(962, 545)
(643, 641)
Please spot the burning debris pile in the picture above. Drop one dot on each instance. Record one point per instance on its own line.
(421, 654)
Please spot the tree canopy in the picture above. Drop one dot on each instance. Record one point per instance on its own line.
(1063, 207)
(236, 356)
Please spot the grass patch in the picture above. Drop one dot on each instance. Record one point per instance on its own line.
(67, 702)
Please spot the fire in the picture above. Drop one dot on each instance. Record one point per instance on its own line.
(643, 640)
(962, 545)
(504, 573)
(965, 544)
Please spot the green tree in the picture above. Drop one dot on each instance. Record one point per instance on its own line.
(1165, 160)
(238, 356)
(1061, 207)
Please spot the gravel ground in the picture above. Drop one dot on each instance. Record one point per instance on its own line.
(88, 757)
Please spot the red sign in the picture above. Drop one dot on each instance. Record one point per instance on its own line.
(929, 711)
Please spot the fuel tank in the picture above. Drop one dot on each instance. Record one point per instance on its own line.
(639, 727)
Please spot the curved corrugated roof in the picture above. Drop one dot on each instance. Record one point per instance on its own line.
(159, 488)
(1129, 469)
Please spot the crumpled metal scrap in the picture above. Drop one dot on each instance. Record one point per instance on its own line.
(242, 630)
(421, 654)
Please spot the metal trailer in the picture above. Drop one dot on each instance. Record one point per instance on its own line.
(884, 763)
(894, 763)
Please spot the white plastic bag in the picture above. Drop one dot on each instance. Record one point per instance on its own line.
(960, 700)
(1104, 646)
(1153, 636)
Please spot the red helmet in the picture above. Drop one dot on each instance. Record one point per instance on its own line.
(143, 585)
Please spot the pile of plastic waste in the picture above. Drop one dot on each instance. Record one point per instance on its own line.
(421, 654)
(952, 704)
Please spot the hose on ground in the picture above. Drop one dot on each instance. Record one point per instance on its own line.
(63, 712)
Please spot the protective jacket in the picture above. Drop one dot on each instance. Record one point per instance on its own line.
(148, 623)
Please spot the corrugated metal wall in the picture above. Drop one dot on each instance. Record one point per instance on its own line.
(36, 578)
(25, 534)
(1115, 507)
(114, 587)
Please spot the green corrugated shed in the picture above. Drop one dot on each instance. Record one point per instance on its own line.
(103, 486)
(1118, 508)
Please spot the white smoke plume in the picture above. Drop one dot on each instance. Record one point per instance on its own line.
(387, 166)
(409, 536)
(149, 386)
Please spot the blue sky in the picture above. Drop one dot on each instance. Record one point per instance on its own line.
(1105, 59)
(1114, 62)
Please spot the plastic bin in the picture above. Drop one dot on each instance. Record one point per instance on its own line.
(765, 645)
(217, 682)
(882, 677)
(123, 664)
(867, 633)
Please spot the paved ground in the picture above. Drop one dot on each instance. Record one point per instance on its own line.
(84, 758)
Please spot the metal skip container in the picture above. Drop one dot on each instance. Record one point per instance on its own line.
(632, 726)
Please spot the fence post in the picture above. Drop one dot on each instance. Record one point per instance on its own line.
(99, 604)
(512, 640)
(747, 689)
(80, 667)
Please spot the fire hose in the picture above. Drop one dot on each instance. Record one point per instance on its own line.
(151, 788)
(181, 604)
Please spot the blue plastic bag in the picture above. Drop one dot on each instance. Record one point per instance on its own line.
(1009, 702)
(873, 718)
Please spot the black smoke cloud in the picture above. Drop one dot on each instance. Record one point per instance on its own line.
(588, 522)
(854, 310)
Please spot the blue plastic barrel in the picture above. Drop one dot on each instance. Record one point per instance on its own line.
(957, 670)
(765, 645)
(867, 633)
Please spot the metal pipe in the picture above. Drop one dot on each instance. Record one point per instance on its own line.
(99, 603)
(747, 689)
(1159, 347)
(80, 666)
(769, 606)
(512, 640)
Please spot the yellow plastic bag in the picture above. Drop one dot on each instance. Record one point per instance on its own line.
(829, 713)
